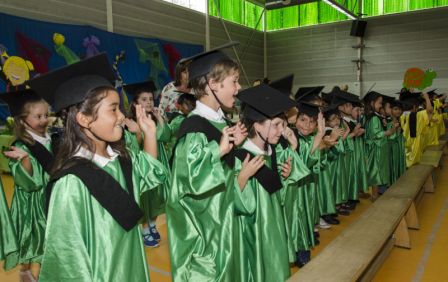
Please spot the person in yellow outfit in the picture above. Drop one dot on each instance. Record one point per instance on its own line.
(415, 125)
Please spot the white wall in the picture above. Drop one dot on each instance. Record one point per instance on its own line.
(321, 55)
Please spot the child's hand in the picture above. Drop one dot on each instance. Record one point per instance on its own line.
(16, 153)
(227, 139)
(291, 137)
(361, 131)
(239, 133)
(336, 133)
(146, 124)
(132, 126)
(328, 142)
(158, 113)
(286, 168)
(251, 166)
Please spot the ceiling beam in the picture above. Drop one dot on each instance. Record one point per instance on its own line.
(276, 4)
(341, 8)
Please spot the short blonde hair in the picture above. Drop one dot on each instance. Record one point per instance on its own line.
(219, 72)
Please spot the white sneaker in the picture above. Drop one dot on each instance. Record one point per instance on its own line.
(323, 224)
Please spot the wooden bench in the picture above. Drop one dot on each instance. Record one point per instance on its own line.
(411, 185)
(358, 252)
(361, 248)
(432, 158)
(440, 147)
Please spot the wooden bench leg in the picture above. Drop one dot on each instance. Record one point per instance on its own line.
(412, 218)
(429, 184)
(401, 235)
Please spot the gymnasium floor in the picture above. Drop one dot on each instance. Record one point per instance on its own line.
(426, 261)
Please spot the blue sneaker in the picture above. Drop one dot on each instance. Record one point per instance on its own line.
(154, 233)
(149, 241)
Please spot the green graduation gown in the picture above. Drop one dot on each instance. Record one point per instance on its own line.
(325, 191)
(378, 165)
(174, 126)
(154, 200)
(296, 206)
(203, 230)
(264, 248)
(360, 163)
(8, 240)
(398, 156)
(28, 210)
(338, 173)
(83, 241)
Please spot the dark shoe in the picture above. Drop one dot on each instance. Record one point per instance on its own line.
(342, 211)
(302, 258)
(349, 205)
(330, 219)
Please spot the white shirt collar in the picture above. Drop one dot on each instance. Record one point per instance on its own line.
(42, 140)
(208, 113)
(349, 119)
(99, 160)
(251, 147)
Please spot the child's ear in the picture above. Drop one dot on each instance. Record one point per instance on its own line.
(213, 84)
(83, 120)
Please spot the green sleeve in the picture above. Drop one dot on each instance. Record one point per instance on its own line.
(163, 133)
(131, 141)
(299, 169)
(22, 179)
(244, 201)
(148, 172)
(375, 128)
(197, 163)
(175, 124)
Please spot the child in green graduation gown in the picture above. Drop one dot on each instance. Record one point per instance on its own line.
(360, 159)
(202, 226)
(264, 249)
(153, 201)
(30, 155)
(300, 205)
(93, 212)
(351, 161)
(398, 154)
(377, 147)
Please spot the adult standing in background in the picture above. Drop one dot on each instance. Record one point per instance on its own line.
(171, 92)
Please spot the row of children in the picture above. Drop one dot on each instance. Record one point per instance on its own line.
(242, 200)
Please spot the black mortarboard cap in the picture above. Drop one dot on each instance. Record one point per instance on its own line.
(264, 102)
(202, 63)
(308, 109)
(284, 84)
(17, 99)
(144, 86)
(388, 99)
(308, 94)
(371, 96)
(70, 84)
(331, 109)
(396, 103)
